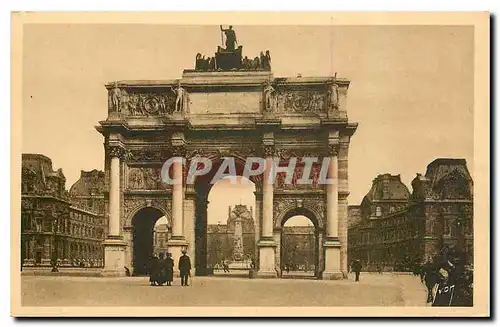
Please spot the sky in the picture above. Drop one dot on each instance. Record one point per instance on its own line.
(411, 88)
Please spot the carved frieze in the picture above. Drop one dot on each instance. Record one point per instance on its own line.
(295, 184)
(241, 152)
(286, 154)
(148, 155)
(156, 103)
(300, 101)
(145, 178)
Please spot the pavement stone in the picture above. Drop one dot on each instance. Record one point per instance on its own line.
(372, 290)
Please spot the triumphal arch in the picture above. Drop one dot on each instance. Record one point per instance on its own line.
(226, 107)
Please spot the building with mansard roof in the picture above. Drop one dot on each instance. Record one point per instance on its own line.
(59, 227)
(395, 229)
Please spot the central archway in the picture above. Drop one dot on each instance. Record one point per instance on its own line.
(143, 225)
(203, 186)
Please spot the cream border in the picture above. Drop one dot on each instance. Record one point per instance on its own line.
(480, 20)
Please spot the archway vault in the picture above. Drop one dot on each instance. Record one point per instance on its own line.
(134, 205)
(287, 207)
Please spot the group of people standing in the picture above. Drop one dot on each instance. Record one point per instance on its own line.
(161, 269)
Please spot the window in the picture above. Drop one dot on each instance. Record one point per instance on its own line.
(378, 211)
(447, 227)
(392, 209)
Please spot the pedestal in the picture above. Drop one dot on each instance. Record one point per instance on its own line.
(114, 258)
(332, 260)
(267, 263)
(175, 247)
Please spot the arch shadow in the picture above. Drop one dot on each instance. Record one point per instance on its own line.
(143, 223)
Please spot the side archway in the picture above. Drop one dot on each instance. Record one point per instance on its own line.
(300, 250)
(142, 227)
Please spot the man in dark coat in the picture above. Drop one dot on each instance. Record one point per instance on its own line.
(430, 278)
(356, 267)
(153, 271)
(169, 269)
(184, 268)
(161, 279)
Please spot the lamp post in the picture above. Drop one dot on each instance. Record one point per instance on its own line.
(55, 228)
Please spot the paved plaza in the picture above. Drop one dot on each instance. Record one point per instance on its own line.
(372, 290)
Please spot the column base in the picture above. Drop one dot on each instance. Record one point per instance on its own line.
(332, 275)
(175, 246)
(46, 263)
(266, 274)
(267, 260)
(332, 260)
(114, 258)
(29, 263)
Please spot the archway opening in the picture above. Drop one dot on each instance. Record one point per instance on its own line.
(144, 224)
(299, 245)
(224, 224)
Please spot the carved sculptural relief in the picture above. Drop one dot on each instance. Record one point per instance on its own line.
(145, 178)
(296, 101)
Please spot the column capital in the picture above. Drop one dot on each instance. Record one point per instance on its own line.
(269, 150)
(333, 149)
(178, 151)
(116, 151)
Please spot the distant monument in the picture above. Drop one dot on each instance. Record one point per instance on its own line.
(238, 239)
(239, 216)
(230, 57)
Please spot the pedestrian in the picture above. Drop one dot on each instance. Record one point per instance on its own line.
(169, 269)
(153, 270)
(162, 273)
(225, 266)
(356, 267)
(421, 273)
(184, 268)
(430, 279)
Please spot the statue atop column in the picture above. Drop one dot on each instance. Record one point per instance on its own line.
(230, 38)
(115, 97)
(229, 56)
(268, 97)
(180, 97)
(333, 95)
